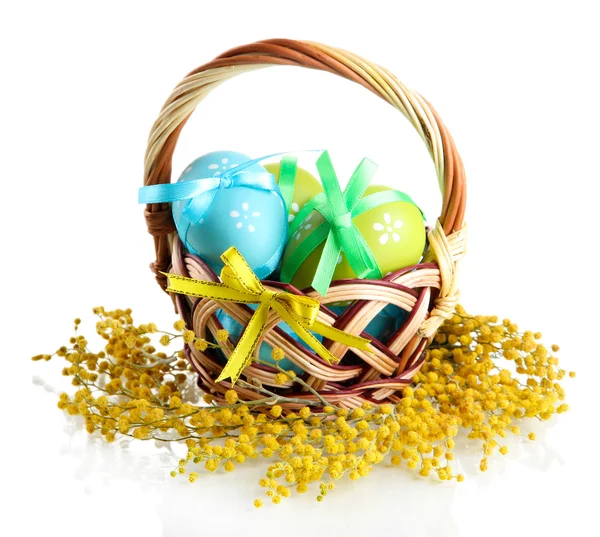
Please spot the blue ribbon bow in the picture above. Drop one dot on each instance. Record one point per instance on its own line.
(200, 194)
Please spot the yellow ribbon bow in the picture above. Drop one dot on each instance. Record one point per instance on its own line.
(240, 284)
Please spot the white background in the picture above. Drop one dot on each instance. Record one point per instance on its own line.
(81, 84)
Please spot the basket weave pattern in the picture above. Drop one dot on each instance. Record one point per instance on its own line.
(427, 291)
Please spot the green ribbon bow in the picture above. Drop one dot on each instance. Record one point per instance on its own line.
(338, 230)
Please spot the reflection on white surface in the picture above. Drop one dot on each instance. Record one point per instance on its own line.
(130, 480)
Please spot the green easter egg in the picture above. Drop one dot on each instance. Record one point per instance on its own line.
(395, 233)
(305, 189)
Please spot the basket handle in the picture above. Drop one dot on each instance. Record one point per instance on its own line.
(197, 84)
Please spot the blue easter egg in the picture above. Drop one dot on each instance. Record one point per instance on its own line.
(387, 322)
(252, 220)
(235, 331)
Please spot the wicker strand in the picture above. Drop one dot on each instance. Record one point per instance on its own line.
(447, 252)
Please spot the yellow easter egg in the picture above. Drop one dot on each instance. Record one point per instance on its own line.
(395, 233)
(305, 188)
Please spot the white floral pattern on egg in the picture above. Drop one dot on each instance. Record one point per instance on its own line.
(389, 229)
(244, 215)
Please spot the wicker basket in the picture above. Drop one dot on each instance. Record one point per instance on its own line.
(428, 291)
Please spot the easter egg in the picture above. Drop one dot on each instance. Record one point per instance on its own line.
(306, 188)
(395, 233)
(251, 219)
(387, 322)
(235, 330)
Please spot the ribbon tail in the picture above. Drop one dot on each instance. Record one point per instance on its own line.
(358, 253)
(197, 206)
(167, 193)
(237, 269)
(359, 182)
(202, 289)
(335, 334)
(331, 185)
(244, 350)
(327, 265)
(302, 330)
(192, 213)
